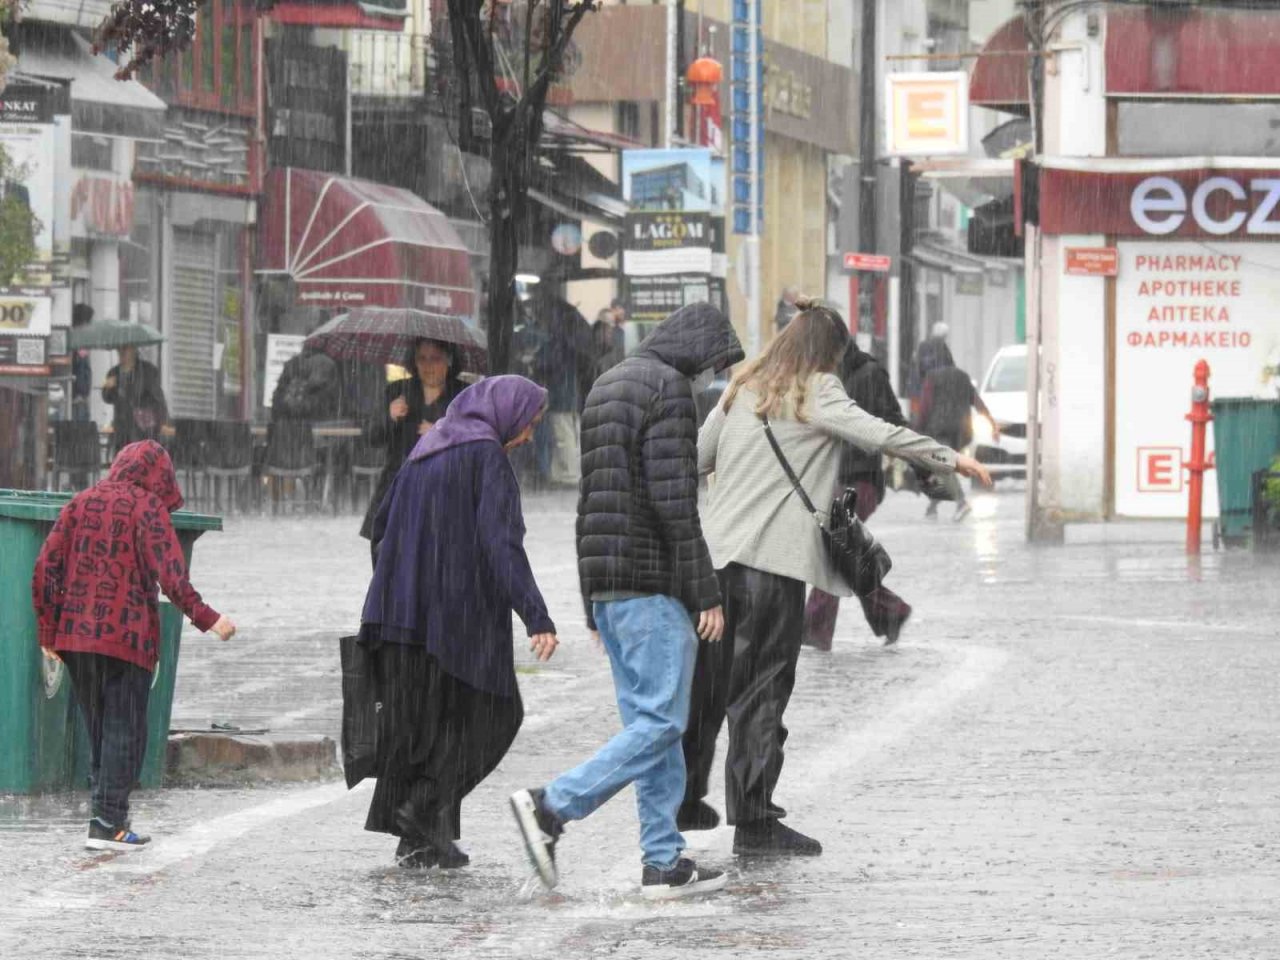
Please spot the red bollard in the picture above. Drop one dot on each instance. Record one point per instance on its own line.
(1197, 465)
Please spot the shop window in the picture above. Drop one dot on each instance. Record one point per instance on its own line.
(628, 120)
(208, 53)
(1179, 129)
(216, 71)
(90, 152)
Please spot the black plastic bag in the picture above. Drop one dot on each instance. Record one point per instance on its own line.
(360, 705)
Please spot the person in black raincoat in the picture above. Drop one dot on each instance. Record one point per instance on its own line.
(133, 388)
(947, 402)
(451, 568)
(411, 409)
(868, 385)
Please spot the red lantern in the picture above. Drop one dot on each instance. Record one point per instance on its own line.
(704, 77)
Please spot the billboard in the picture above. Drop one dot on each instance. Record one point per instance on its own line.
(927, 114)
(669, 242)
(1177, 303)
(28, 137)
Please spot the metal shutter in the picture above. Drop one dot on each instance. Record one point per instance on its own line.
(192, 389)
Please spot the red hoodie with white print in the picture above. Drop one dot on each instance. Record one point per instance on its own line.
(94, 585)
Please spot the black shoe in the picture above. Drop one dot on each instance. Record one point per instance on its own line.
(103, 837)
(541, 829)
(894, 629)
(685, 879)
(416, 854)
(698, 815)
(452, 856)
(772, 838)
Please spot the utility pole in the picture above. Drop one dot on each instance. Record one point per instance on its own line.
(867, 192)
(671, 107)
(1034, 14)
(754, 94)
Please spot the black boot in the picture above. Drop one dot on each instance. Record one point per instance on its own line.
(414, 854)
(772, 838)
(698, 815)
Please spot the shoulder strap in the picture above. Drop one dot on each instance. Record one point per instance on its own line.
(786, 465)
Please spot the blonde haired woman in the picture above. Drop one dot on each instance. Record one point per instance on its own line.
(766, 547)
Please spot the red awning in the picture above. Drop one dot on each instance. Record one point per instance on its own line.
(350, 242)
(342, 15)
(999, 78)
(1182, 52)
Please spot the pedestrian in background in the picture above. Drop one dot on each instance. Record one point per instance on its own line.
(133, 388)
(81, 367)
(786, 309)
(451, 569)
(947, 402)
(609, 338)
(868, 385)
(102, 619)
(932, 354)
(766, 547)
(412, 408)
(569, 363)
(646, 576)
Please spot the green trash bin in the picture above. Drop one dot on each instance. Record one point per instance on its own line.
(1246, 438)
(45, 746)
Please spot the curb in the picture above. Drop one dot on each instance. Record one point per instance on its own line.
(209, 758)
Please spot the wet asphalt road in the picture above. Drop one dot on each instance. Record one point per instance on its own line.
(1073, 753)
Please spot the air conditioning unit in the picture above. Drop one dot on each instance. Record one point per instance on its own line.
(600, 246)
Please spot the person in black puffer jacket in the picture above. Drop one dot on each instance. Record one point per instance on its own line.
(646, 574)
(638, 528)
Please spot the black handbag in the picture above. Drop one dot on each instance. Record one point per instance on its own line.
(360, 708)
(852, 549)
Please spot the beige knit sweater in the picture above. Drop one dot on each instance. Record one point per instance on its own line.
(753, 516)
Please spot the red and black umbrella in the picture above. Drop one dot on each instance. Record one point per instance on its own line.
(387, 334)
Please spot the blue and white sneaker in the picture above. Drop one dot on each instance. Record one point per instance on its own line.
(104, 837)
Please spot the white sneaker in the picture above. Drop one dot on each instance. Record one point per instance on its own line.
(685, 879)
(541, 829)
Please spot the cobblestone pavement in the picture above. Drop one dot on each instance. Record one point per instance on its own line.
(1073, 753)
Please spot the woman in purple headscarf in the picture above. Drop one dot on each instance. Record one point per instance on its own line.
(450, 568)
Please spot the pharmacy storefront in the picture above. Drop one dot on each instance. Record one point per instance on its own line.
(1146, 268)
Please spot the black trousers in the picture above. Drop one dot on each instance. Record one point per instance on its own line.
(437, 739)
(747, 677)
(113, 697)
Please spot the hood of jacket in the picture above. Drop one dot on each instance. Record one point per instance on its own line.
(693, 339)
(146, 464)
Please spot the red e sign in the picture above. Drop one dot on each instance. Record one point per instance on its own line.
(1159, 469)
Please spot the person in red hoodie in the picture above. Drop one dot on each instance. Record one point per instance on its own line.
(96, 603)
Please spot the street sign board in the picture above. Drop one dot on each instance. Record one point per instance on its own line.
(1092, 261)
(874, 262)
(927, 114)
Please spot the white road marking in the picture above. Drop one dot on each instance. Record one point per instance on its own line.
(922, 704)
(163, 853)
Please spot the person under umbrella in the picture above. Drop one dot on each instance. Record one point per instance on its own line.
(133, 388)
(411, 409)
(451, 568)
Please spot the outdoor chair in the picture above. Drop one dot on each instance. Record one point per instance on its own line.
(77, 454)
(228, 459)
(186, 450)
(367, 462)
(290, 461)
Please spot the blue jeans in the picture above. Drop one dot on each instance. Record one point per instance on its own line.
(651, 645)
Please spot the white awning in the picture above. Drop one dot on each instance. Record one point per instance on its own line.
(100, 103)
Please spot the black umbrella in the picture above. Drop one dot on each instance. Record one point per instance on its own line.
(386, 335)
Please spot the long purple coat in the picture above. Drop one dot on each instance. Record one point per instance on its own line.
(451, 562)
